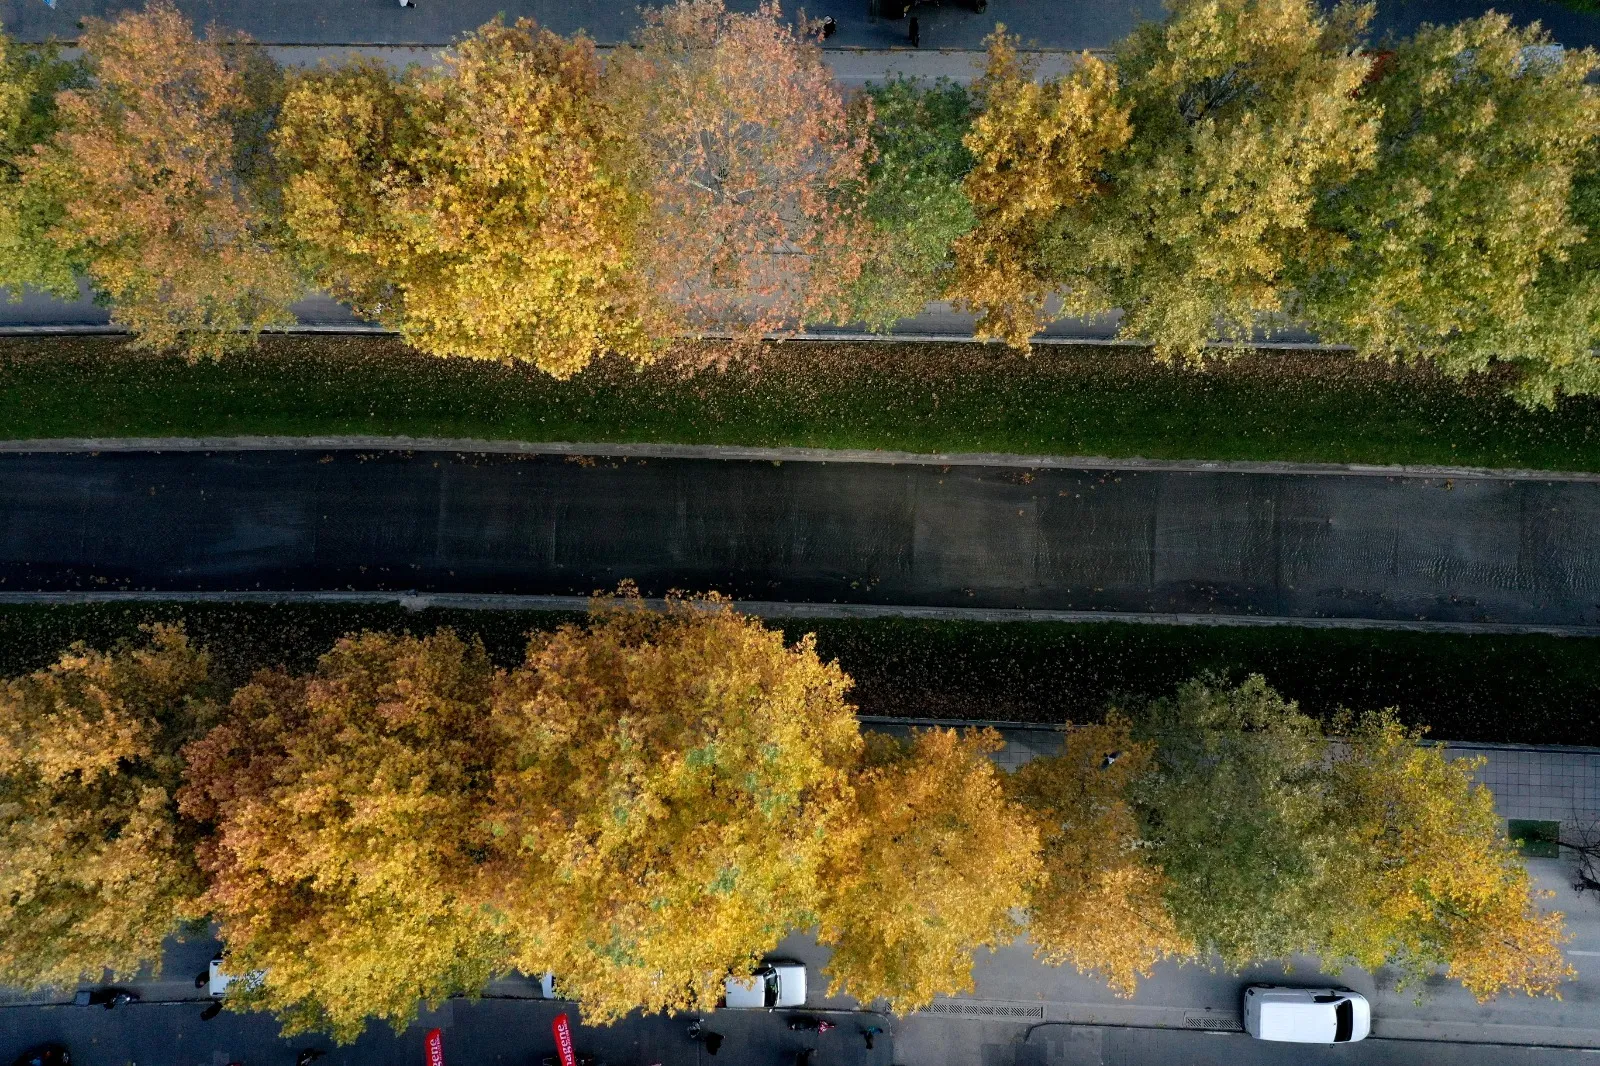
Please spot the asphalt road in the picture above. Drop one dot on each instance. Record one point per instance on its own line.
(1049, 24)
(1291, 545)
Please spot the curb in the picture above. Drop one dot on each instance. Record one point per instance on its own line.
(838, 336)
(755, 453)
(421, 601)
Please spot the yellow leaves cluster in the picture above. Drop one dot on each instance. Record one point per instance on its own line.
(348, 814)
(95, 867)
(147, 172)
(671, 789)
(941, 860)
(474, 207)
(1101, 905)
(1039, 150)
(1431, 877)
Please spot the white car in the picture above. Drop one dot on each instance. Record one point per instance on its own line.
(777, 983)
(219, 980)
(1306, 1015)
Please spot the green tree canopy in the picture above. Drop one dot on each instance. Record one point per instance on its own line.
(1243, 113)
(30, 78)
(914, 195)
(1234, 810)
(96, 867)
(1471, 201)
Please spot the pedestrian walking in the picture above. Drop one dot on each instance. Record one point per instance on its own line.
(870, 1032)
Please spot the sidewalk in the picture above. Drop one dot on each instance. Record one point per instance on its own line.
(1560, 784)
(1070, 25)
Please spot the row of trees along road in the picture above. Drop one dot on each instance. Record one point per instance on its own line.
(1241, 164)
(650, 801)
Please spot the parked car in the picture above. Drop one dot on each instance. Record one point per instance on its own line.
(104, 997)
(1306, 1015)
(219, 980)
(44, 1055)
(776, 984)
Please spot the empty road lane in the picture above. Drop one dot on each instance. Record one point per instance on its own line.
(1281, 544)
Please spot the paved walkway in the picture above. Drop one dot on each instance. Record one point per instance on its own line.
(1545, 783)
(1071, 25)
(1371, 546)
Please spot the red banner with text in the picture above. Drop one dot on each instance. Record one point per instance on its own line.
(563, 1030)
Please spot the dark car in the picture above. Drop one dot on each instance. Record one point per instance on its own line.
(44, 1055)
(104, 997)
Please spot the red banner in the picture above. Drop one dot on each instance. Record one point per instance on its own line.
(435, 1045)
(563, 1030)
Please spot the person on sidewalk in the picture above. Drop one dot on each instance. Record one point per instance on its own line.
(870, 1032)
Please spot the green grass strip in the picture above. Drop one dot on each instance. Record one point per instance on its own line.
(1099, 401)
(1530, 689)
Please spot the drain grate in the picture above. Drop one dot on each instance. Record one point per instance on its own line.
(963, 1009)
(1221, 1023)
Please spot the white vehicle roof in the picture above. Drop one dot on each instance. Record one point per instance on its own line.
(775, 984)
(1306, 1015)
(218, 981)
(748, 994)
(791, 984)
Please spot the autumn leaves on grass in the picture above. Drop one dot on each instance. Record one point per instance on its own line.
(652, 801)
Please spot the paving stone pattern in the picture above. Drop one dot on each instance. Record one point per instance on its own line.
(1552, 784)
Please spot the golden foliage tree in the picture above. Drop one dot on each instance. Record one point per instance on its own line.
(348, 813)
(1426, 875)
(1101, 904)
(96, 868)
(669, 792)
(752, 170)
(1039, 150)
(472, 206)
(160, 179)
(940, 860)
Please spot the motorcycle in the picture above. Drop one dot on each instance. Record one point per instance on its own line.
(807, 1024)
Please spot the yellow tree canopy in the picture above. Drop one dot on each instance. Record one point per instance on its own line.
(1101, 903)
(95, 866)
(1426, 875)
(1038, 151)
(348, 832)
(941, 859)
(154, 173)
(472, 206)
(669, 791)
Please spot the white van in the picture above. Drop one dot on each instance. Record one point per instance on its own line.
(1306, 1015)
